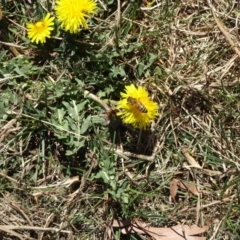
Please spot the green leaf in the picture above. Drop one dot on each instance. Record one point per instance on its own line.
(85, 125)
(61, 113)
(97, 119)
(77, 147)
(17, 70)
(102, 175)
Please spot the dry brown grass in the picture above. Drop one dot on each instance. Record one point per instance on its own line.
(194, 78)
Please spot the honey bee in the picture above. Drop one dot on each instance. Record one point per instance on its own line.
(137, 104)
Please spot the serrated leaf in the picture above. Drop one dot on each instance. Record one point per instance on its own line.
(69, 153)
(17, 70)
(81, 105)
(71, 109)
(98, 119)
(85, 124)
(103, 175)
(61, 112)
(75, 110)
(140, 69)
(78, 145)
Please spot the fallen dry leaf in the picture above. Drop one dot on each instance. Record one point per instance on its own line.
(194, 163)
(174, 188)
(187, 186)
(211, 172)
(178, 232)
(190, 159)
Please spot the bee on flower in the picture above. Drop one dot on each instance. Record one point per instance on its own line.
(136, 107)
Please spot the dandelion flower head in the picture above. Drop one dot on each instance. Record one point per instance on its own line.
(73, 13)
(136, 107)
(39, 31)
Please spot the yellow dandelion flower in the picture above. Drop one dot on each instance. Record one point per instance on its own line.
(73, 13)
(39, 31)
(136, 107)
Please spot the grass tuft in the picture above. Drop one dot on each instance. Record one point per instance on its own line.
(69, 167)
